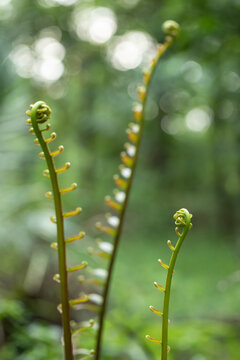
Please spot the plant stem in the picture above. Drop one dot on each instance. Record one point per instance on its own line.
(164, 47)
(67, 337)
(168, 286)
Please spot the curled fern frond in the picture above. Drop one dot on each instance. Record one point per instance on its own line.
(183, 224)
(39, 114)
(118, 202)
(171, 28)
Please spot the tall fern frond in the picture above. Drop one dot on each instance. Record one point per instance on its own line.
(183, 221)
(39, 114)
(129, 156)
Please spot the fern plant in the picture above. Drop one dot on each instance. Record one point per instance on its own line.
(39, 114)
(129, 156)
(183, 221)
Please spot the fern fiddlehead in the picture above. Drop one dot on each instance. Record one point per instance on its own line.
(183, 221)
(129, 158)
(39, 113)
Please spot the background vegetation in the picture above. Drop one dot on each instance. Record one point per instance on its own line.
(84, 58)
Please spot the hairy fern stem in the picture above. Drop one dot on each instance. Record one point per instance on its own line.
(183, 221)
(40, 105)
(186, 222)
(40, 113)
(67, 337)
(139, 114)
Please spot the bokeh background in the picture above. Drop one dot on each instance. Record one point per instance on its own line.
(85, 58)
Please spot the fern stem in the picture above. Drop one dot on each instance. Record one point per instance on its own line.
(161, 51)
(67, 337)
(165, 319)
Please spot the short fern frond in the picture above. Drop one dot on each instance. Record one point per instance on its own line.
(39, 113)
(183, 221)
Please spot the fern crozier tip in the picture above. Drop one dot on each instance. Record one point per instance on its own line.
(171, 28)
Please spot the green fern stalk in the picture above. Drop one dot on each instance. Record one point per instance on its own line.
(182, 220)
(37, 110)
(40, 112)
(124, 183)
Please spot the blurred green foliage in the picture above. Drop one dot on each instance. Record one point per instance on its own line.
(56, 50)
(26, 338)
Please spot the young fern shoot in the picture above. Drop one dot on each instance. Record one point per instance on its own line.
(183, 221)
(39, 114)
(118, 204)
